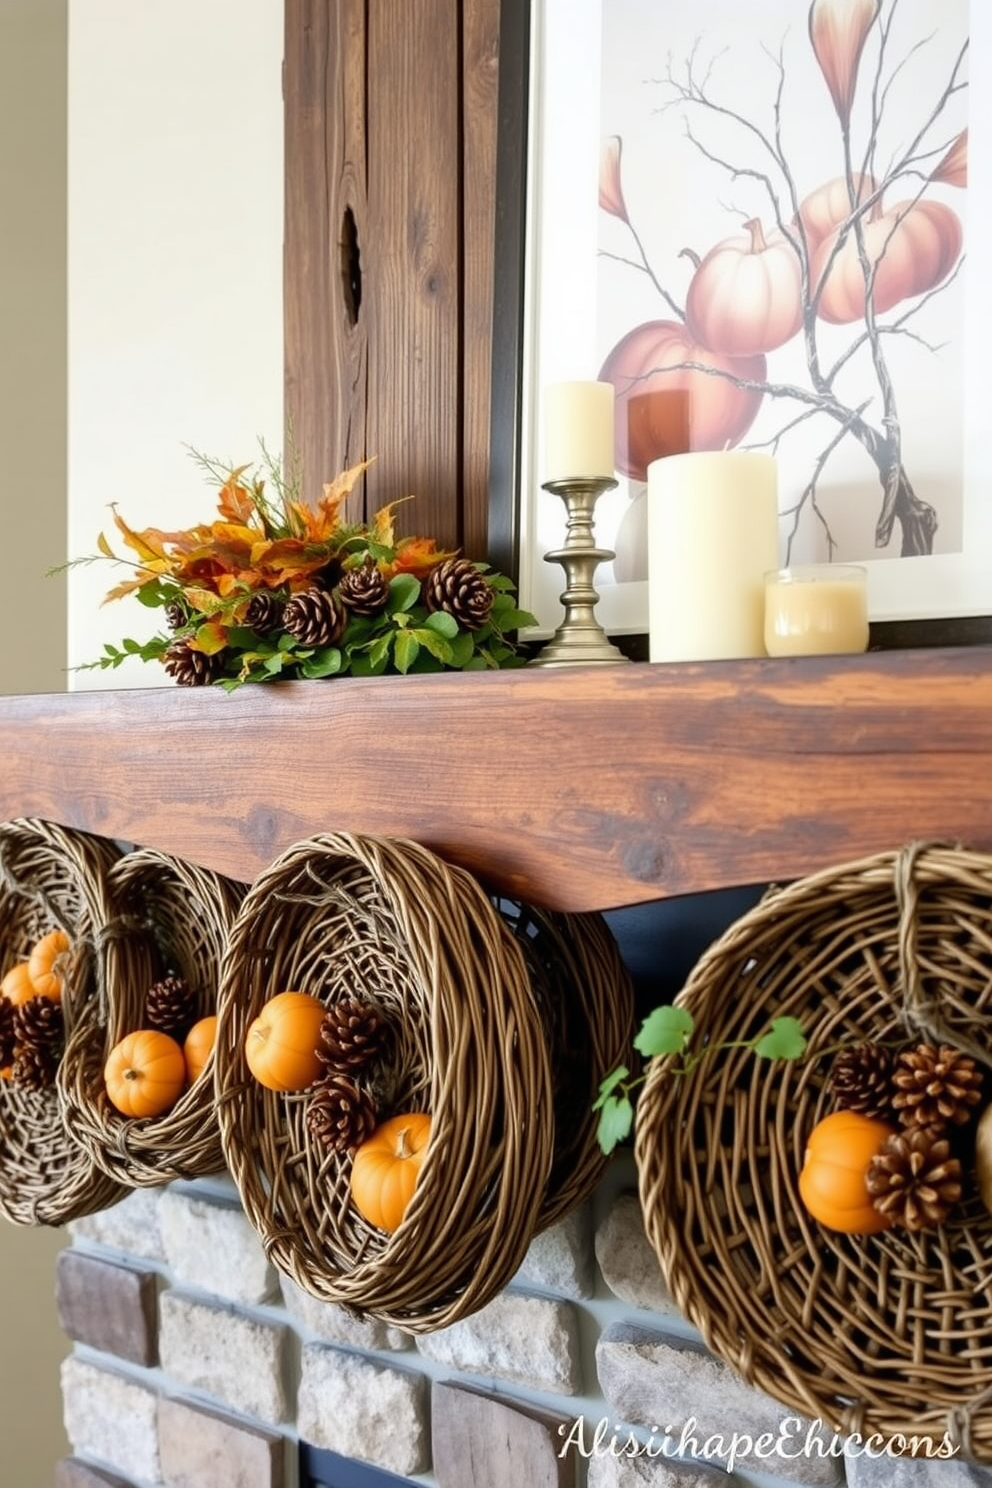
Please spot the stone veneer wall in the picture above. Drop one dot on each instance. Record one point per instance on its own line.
(195, 1366)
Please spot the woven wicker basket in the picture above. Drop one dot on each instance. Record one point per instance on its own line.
(342, 916)
(51, 878)
(890, 1333)
(168, 915)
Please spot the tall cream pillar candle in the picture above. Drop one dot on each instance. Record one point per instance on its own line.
(712, 537)
(578, 430)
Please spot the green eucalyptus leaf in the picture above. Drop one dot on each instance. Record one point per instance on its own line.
(406, 648)
(446, 625)
(666, 1031)
(404, 591)
(379, 652)
(432, 642)
(513, 619)
(462, 649)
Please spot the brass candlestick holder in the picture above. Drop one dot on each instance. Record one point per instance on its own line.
(580, 639)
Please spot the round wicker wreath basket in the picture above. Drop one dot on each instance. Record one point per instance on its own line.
(168, 915)
(51, 878)
(390, 923)
(887, 1334)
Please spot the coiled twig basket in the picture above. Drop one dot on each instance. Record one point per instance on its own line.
(888, 1334)
(51, 877)
(168, 915)
(389, 922)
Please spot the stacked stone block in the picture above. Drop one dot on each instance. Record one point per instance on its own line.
(196, 1366)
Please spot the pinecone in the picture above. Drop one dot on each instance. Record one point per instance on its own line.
(191, 668)
(351, 1034)
(914, 1179)
(935, 1086)
(861, 1080)
(364, 590)
(33, 1069)
(264, 612)
(7, 1036)
(458, 587)
(170, 1006)
(38, 1027)
(315, 617)
(340, 1115)
(176, 615)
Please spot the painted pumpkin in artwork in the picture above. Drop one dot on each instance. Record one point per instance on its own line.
(666, 407)
(746, 295)
(912, 245)
(829, 206)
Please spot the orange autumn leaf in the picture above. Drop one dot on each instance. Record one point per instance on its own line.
(417, 556)
(209, 638)
(318, 524)
(236, 501)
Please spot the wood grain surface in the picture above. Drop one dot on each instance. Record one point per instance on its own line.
(577, 789)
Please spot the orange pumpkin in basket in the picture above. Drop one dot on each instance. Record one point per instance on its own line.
(44, 964)
(145, 1073)
(386, 1169)
(17, 985)
(281, 1044)
(199, 1045)
(832, 1182)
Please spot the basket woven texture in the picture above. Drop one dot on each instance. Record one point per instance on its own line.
(169, 915)
(389, 922)
(890, 1333)
(51, 877)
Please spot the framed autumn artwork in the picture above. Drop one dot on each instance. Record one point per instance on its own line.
(768, 226)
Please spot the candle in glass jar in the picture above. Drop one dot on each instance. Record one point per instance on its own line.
(712, 526)
(578, 426)
(816, 610)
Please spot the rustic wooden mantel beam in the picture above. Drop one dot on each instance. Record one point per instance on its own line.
(575, 789)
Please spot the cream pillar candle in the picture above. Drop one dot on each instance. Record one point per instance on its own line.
(816, 610)
(578, 430)
(712, 527)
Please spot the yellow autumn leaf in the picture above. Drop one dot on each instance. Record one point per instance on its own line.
(209, 638)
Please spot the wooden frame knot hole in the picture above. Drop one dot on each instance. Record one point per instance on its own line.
(351, 267)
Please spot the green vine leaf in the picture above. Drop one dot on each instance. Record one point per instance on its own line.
(616, 1120)
(784, 1040)
(610, 1084)
(667, 1031)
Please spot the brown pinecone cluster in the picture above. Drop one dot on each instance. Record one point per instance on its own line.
(31, 1042)
(170, 1006)
(189, 667)
(930, 1092)
(341, 1113)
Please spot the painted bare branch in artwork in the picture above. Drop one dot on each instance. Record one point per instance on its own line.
(868, 248)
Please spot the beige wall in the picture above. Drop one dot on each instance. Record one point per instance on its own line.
(32, 344)
(32, 608)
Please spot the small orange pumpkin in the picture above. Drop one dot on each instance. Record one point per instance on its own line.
(17, 985)
(832, 1182)
(44, 964)
(145, 1073)
(386, 1169)
(199, 1046)
(282, 1042)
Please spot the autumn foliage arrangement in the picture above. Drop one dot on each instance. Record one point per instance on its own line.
(276, 588)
